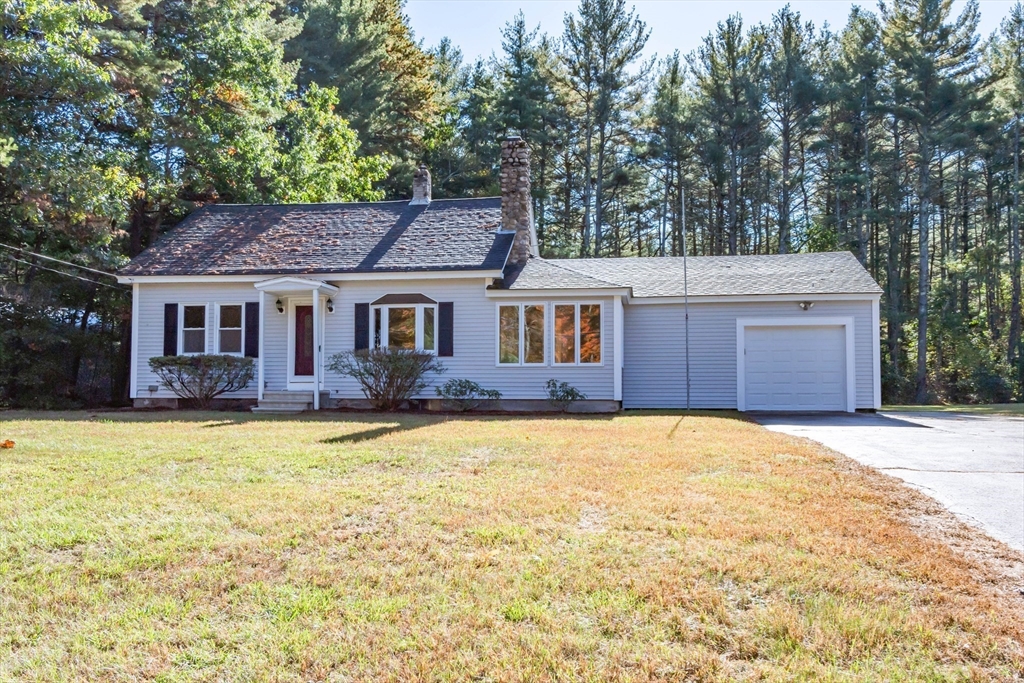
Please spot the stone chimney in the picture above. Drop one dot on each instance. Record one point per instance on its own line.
(516, 202)
(420, 186)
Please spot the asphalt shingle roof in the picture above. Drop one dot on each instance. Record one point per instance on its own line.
(821, 273)
(453, 234)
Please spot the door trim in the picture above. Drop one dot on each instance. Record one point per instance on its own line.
(296, 382)
(845, 322)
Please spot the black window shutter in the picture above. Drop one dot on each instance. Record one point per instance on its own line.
(362, 327)
(252, 329)
(170, 329)
(446, 328)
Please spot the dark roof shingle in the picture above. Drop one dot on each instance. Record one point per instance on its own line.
(821, 273)
(283, 239)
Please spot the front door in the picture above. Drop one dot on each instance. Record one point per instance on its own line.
(303, 341)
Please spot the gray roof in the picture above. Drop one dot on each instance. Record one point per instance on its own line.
(821, 273)
(226, 239)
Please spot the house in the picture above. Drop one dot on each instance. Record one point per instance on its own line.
(290, 285)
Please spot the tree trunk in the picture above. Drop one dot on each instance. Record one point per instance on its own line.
(784, 227)
(599, 190)
(1013, 343)
(924, 208)
(587, 171)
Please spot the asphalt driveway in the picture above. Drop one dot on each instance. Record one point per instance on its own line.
(972, 464)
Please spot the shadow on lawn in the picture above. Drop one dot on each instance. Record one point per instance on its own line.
(368, 434)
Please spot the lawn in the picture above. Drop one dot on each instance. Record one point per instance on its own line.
(228, 547)
(980, 409)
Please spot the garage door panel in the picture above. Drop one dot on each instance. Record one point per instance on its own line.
(795, 368)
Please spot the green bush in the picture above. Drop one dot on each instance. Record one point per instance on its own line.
(202, 378)
(562, 394)
(465, 394)
(388, 377)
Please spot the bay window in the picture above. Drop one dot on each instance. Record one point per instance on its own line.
(402, 326)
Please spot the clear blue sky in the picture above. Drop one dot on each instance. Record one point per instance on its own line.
(474, 25)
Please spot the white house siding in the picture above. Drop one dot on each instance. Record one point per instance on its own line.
(654, 371)
(475, 350)
(474, 336)
(152, 298)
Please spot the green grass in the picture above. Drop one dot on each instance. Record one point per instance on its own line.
(228, 547)
(987, 409)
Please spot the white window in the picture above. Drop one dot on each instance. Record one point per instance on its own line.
(405, 326)
(521, 334)
(193, 330)
(577, 334)
(230, 323)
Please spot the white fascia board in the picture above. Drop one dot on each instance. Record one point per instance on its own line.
(333, 277)
(752, 298)
(555, 293)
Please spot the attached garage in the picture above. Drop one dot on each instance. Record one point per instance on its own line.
(789, 332)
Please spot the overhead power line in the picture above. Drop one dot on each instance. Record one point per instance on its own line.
(61, 272)
(56, 260)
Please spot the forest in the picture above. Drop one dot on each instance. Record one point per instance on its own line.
(896, 137)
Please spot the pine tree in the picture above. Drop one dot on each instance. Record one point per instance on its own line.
(366, 49)
(792, 99)
(934, 62)
(599, 48)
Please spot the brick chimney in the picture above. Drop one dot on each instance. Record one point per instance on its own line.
(420, 186)
(516, 202)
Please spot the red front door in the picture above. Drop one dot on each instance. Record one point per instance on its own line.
(303, 341)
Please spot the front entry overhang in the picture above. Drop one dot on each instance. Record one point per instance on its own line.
(285, 286)
(295, 285)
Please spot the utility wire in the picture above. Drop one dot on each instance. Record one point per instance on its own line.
(61, 272)
(56, 260)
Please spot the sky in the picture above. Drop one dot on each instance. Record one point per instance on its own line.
(474, 25)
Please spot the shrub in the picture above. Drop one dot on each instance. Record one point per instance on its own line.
(200, 379)
(465, 394)
(562, 394)
(388, 377)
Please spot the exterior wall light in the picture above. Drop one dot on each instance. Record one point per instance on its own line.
(806, 305)
(279, 306)
(330, 305)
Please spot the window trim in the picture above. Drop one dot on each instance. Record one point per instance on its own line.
(420, 319)
(576, 318)
(217, 329)
(182, 328)
(521, 305)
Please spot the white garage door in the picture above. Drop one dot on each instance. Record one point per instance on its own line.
(795, 368)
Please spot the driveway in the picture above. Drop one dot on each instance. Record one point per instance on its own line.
(972, 464)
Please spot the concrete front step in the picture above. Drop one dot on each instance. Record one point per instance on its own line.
(281, 408)
(288, 395)
(287, 401)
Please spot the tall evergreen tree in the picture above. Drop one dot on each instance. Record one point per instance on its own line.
(934, 60)
(792, 97)
(600, 48)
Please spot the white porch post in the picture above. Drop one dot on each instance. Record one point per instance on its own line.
(316, 348)
(259, 360)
